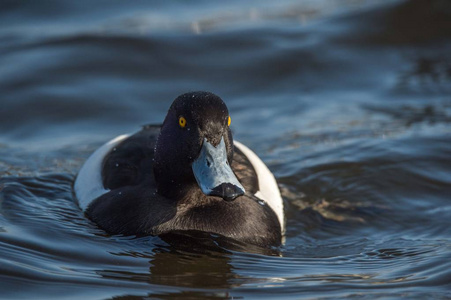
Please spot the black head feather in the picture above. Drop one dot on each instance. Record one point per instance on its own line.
(177, 147)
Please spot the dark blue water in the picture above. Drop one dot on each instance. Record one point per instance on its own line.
(348, 103)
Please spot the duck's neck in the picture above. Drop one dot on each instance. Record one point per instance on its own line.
(176, 190)
(173, 181)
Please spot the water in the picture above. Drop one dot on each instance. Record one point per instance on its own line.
(348, 103)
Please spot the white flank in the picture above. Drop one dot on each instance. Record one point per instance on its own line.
(269, 191)
(88, 185)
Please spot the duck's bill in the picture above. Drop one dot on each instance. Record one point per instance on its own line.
(214, 174)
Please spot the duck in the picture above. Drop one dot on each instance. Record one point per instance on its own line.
(186, 174)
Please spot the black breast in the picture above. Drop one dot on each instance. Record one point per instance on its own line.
(133, 207)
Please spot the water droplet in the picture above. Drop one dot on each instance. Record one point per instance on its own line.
(120, 193)
(117, 165)
(114, 149)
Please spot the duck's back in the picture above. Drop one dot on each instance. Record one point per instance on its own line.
(130, 163)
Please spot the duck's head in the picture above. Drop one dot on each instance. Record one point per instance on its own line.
(195, 147)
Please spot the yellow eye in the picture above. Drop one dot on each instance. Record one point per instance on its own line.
(182, 122)
(229, 120)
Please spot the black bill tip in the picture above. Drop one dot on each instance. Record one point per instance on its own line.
(227, 191)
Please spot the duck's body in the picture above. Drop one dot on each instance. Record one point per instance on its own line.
(156, 181)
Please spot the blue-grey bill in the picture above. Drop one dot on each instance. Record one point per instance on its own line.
(214, 174)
